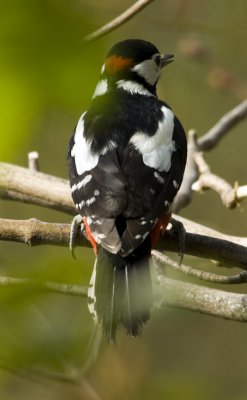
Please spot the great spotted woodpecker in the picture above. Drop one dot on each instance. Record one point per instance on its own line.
(126, 163)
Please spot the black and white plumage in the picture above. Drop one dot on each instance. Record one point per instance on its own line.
(126, 163)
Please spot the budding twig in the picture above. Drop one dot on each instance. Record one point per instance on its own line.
(33, 160)
(207, 180)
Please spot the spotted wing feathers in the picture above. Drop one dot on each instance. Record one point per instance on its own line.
(123, 197)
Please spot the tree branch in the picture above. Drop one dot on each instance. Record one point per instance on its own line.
(33, 187)
(54, 287)
(168, 292)
(34, 232)
(184, 195)
(46, 190)
(164, 261)
(205, 143)
(232, 306)
(230, 196)
(118, 21)
(222, 127)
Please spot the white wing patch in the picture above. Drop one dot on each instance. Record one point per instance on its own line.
(81, 151)
(157, 150)
(85, 160)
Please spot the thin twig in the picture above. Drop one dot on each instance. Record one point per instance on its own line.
(230, 196)
(222, 127)
(118, 21)
(206, 142)
(33, 160)
(54, 287)
(208, 180)
(241, 192)
(164, 260)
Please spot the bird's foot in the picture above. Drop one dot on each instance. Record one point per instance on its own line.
(178, 231)
(75, 224)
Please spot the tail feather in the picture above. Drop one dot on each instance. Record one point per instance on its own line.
(128, 300)
(120, 293)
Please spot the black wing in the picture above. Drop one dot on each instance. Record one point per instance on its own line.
(122, 200)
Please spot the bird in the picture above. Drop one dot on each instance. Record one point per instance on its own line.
(126, 161)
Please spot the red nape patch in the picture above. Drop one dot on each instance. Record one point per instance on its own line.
(114, 64)
(90, 236)
(160, 226)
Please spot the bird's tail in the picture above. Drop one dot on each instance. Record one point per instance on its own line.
(120, 293)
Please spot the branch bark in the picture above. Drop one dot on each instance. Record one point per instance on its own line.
(168, 292)
(49, 191)
(232, 306)
(164, 260)
(34, 232)
(230, 196)
(33, 187)
(54, 287)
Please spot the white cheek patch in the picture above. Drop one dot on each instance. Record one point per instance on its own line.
(81, 151)
(148, 70)
(157, 150)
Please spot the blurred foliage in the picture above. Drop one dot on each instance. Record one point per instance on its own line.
(47, 76)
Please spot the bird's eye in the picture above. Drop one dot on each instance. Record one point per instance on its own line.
(157, 59)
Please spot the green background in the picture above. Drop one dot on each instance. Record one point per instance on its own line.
(47, 76)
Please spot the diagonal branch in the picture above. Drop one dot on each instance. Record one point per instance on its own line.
(205, 143)
(118, 21)
(222, 127)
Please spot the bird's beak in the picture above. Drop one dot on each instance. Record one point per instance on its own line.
(166, 59)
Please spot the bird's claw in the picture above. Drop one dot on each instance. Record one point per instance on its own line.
(179, 231)
(75, 224)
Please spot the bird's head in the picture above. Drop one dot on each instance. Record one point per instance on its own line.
(133, 64)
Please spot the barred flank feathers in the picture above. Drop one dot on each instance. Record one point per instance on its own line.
(120, 293)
